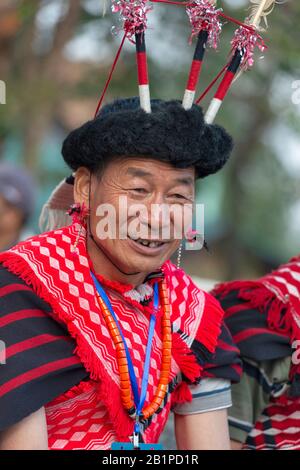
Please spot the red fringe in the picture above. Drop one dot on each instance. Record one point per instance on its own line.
(282, 400)
(260, 296)
(82, 387)
(210, 325)
(181, 394)
(109, 392)
(185, 359)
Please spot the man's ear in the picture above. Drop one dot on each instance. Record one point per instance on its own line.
(82, 186)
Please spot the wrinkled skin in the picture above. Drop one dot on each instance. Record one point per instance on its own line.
(141, 181)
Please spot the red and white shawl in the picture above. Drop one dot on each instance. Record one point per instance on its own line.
(90, 415)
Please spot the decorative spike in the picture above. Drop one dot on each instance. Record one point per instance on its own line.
(259, 11)
(243, 44)
(103, 6)
(210, 28)
(143, 80)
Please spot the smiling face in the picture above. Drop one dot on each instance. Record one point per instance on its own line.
(144, 236)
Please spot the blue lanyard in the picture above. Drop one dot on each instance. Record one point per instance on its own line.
(139, 399)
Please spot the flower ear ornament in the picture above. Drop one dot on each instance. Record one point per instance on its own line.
(194, 240)
(79, 213)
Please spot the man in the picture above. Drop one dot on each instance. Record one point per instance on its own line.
(104, 335)
(263, 317)
(16, 203)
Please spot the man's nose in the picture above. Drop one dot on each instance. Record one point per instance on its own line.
(157, 217)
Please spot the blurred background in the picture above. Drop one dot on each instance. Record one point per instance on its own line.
(55, 56)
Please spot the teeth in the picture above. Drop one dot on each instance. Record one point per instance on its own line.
(149, 243)
(153, 244)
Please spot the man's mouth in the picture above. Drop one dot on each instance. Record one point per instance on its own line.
(151, 245)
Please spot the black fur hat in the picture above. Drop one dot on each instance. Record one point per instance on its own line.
(169, 133)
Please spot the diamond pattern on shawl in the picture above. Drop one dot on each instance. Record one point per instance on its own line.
(81, 422)
(61, 272)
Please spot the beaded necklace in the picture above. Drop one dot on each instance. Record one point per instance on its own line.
(135, 405)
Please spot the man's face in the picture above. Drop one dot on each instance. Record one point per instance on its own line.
(140, 232)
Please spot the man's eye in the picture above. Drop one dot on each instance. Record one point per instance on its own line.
(139, 190)
(178, 196)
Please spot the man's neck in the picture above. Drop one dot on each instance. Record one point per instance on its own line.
(102, 265)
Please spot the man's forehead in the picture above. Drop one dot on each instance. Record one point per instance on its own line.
(138, 167)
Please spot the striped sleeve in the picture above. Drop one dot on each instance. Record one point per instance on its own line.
(225, 363)
(250, 331)
(37, 360)
(208, 395)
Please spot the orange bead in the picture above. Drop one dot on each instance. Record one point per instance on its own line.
(123, 369)
(157, 400)
(110, 321)
(166, 356)
(164, 380)
(153, 407)
(122, 361)
(121, 353)
(124, 381)
(113, 329)
(125, 377)
(105, 314)
(146, 414)
(166, 364)
(128, 404)
(117, 339)
(160, 394)
(167, 337)
(125, 385)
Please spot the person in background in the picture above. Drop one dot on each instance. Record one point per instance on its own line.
(263, 317)
(17, 195)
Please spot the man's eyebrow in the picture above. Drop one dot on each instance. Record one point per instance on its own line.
(187, 180)
(138, 172)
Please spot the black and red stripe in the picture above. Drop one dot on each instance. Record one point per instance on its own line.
(197, 62)
(40, 363)
(229, 76)
(141, 59)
